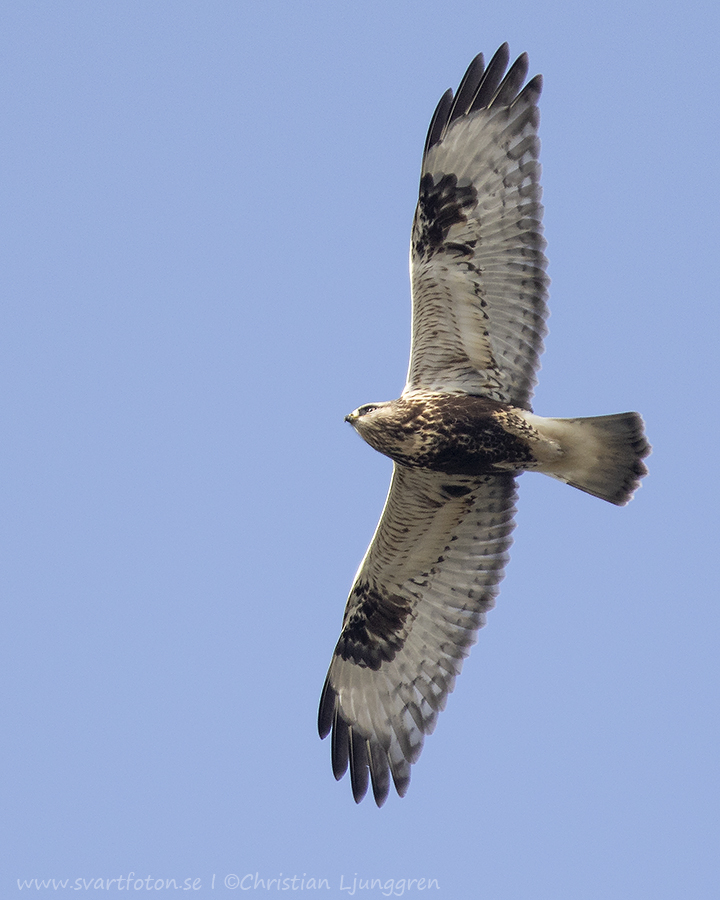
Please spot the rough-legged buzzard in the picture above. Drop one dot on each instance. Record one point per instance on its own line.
(461, 431)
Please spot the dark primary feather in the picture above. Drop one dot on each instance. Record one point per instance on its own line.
(512, 82)
(530, 94)
(467, 89)
(491, 79)
(475, 92)
(439, 120)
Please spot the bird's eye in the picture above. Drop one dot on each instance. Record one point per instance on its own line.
(369, 407)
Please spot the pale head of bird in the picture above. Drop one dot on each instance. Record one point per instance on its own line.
(370, 415)
(384, 426)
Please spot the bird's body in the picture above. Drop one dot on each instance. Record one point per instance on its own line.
(454, 433)
(460, 432)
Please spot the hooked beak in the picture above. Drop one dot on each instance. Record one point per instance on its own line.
(350, 417)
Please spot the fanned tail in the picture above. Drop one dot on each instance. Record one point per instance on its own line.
(603, 455)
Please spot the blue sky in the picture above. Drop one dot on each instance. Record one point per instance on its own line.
(204, 263)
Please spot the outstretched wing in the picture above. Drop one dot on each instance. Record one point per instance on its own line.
(430, 574)
(477, 266)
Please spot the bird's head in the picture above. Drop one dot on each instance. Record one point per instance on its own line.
(368, 415)
(381, 425)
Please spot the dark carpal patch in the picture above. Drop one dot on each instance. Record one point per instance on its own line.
(441, 205)
(374, 633)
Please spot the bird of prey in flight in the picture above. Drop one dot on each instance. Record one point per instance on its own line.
(461, 431)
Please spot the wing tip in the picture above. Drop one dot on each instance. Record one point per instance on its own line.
(370, 763)
(482, 87)
(367, 760)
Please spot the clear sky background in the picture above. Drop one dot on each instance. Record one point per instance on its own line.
(206, 215)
